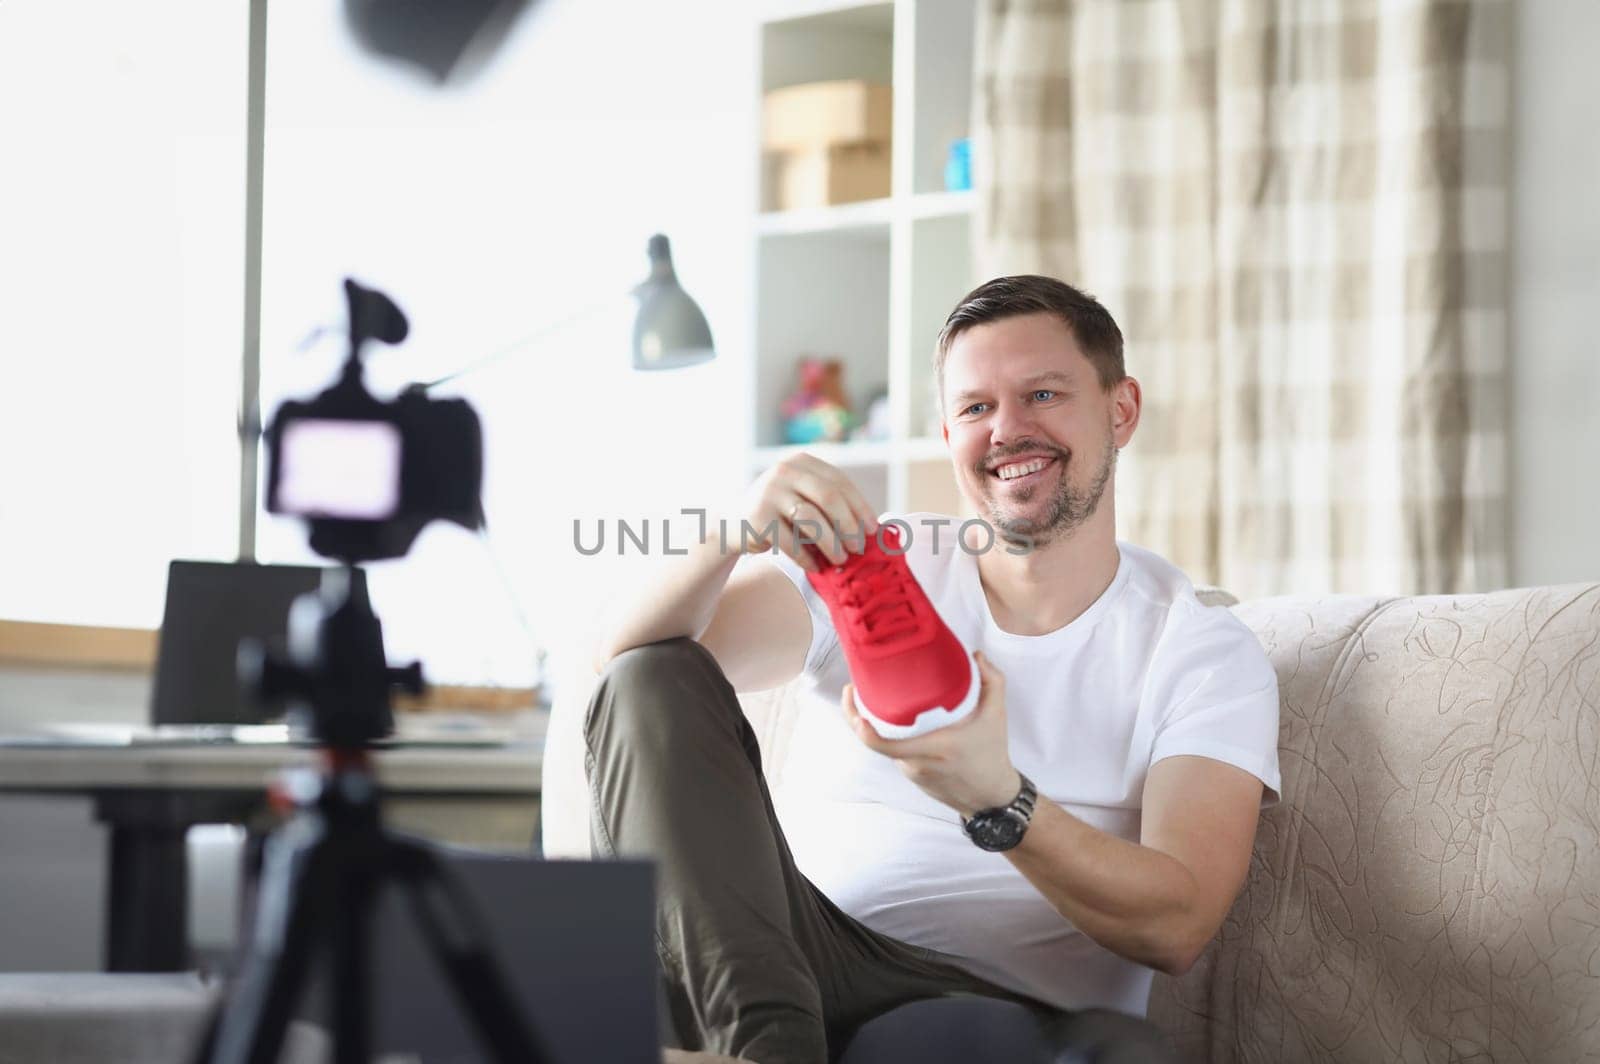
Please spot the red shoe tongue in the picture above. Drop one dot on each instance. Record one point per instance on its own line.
(883, 601)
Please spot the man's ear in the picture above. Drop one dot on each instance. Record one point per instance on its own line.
(1127, 405)
(944, 430)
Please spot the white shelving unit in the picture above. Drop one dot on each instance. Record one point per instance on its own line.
(870, 283)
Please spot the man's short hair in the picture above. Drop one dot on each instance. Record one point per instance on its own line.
(1010, 297)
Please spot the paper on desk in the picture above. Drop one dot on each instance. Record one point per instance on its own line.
(102, 734)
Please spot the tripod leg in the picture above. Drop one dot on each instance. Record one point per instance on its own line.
(352, 983)
(455, 937)
(252, 1024)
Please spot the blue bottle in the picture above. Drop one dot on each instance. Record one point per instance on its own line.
(958, 166)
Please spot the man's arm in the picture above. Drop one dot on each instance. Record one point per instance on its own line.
(680, 601)
(1157, 901)
(1161, 900)
(761, 629)
(752, 618)
(754, 621)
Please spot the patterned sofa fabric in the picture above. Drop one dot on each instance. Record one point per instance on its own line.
(1429, 888)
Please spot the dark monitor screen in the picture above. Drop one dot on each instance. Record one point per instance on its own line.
(210, 607)
(575, 941)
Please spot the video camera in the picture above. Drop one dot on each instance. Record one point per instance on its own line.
(367, 474)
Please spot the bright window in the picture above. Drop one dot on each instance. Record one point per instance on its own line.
(486, 210)
(121, 288)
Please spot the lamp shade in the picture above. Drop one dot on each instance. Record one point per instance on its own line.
(669, 330)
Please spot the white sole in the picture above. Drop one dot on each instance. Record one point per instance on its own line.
(929, 719)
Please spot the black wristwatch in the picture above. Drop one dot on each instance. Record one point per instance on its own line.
(997, 830)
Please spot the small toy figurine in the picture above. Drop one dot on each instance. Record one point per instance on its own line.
(818, 410)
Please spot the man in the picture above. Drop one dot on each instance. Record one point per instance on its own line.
(1146, 722)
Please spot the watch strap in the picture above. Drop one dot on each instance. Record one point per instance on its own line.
(1022, 805)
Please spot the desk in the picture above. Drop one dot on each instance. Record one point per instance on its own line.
(150, 795)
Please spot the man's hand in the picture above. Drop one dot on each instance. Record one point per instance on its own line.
(967, 766)
(804, 500)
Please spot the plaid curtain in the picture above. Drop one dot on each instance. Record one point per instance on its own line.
(1297, 213)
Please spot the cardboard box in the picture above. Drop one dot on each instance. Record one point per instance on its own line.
(824, 177)
(826, 113)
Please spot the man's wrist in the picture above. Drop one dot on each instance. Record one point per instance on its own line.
(1005, 795)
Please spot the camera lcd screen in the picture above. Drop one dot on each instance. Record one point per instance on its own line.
(348, 470)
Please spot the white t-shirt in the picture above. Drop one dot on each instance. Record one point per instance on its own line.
(1146, 672)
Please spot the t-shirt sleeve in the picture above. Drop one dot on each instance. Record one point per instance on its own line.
(1229, 711)
(824, 640)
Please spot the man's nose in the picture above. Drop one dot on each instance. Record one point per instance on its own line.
(1011, 422)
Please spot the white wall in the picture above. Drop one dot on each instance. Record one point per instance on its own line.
(121, 281)
(487, 210)
(1555, 301)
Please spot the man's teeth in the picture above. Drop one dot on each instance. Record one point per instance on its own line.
(1012, 472)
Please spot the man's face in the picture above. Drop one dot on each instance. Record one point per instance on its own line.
(1033, 436)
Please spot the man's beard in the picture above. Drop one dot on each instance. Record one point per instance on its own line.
(1069, 508)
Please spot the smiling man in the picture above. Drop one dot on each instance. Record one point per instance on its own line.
(1129, 730)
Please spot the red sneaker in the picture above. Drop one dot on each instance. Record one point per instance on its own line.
(905, 663)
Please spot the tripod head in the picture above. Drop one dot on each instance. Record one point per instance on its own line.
(335, 676)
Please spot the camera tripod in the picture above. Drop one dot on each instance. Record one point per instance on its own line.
(323, 870)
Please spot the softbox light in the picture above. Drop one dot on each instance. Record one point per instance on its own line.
(446, 38)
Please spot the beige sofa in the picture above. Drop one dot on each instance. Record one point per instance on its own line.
(1429, 888)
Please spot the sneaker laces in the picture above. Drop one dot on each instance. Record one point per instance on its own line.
(877, 592)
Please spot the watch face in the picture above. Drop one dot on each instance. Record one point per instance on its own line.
(995, 831)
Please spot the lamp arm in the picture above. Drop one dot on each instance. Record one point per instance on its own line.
(519, 345)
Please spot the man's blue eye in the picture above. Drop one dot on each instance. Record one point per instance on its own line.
(973, 407)
(1042, 394)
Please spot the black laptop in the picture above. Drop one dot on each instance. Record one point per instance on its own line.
(210, 607)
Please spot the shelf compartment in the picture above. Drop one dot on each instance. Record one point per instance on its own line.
(820, 40)
(942, 86)
(823, 295)
(942, 272)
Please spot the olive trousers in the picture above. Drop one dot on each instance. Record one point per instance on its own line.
(756, 961)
